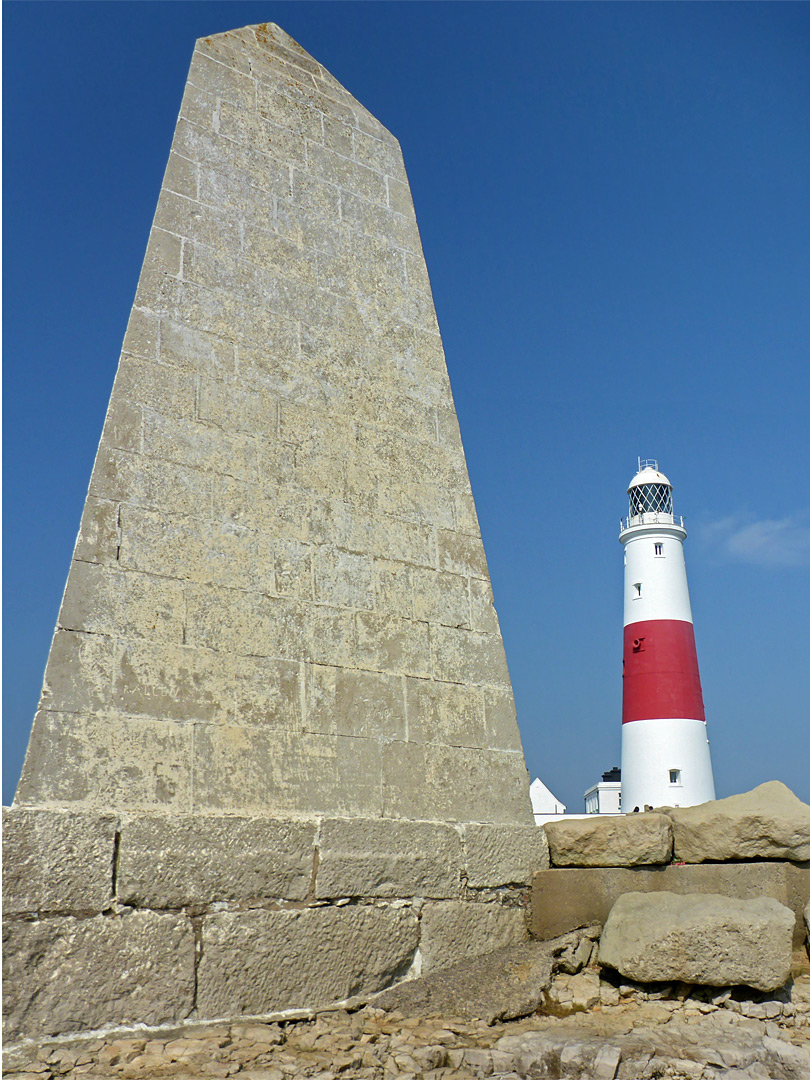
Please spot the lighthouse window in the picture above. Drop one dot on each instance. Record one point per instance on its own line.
(674, 776)
(637, 587)
(651, 499)
(659, 549)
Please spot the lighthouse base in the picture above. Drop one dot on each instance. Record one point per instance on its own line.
(665, 763)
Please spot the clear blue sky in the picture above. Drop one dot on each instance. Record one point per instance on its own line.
(614, 202)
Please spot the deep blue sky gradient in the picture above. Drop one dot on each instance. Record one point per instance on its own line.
(614, 202)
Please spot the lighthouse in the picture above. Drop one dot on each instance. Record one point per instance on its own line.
(665, 750)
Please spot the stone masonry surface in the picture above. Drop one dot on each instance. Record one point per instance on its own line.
(279, 602)
(205, 917)
(562, 899)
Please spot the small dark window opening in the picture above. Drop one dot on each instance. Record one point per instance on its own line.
(637, 587)
(674, 776)
(659, 549)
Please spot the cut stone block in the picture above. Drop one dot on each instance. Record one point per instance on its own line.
(504, 984)
(103, 600)
(363, 703)
(171, 862)
(453, 931)
(445, 713)
(421, 782)
(64, 974)
(57, 861)
(563, 899)
(624, 840)
(261, 961)
(104, 761)
(250, 769)
(768, 822)
(501, 985)
(712, 940)
(388, 859)
(498, 855)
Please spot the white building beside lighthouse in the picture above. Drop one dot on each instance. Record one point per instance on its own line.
(665, 750)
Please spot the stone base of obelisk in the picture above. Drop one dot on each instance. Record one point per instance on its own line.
(115, 920)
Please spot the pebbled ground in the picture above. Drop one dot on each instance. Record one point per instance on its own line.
(602, 1030)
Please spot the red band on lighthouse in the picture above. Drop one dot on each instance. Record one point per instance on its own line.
(661, 677)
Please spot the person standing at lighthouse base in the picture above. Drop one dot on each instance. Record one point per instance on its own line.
(665, 749)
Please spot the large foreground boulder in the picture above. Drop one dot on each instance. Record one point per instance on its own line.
(769, 822)
(624, 840)
(712, 940)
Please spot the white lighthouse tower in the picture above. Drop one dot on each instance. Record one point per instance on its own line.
(665, 750)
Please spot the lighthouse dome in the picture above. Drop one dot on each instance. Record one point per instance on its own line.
(650, 491)
(649, 474)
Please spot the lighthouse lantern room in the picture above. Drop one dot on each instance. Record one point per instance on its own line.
(665, 750)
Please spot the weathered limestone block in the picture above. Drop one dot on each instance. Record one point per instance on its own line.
(420, 781)
(170, 862)
(624, 840)
(466, 656)
(66, 974)
(103, 600)
(57, 861)
(447, 713)
(78, 673)
(363, 857)
(97, 541)
(356, 703)
(102, 763)
(712, 940)
(504, 984)
(261, 961)
(562, 899)
(500, 985)
(501, 720)
(391, 644)
(768, 822)
(453, 931)
(498, 855)
(256, 770)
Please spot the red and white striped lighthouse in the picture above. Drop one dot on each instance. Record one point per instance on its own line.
(665, 750)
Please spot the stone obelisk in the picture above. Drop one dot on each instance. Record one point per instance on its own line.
(276, 762)
(279, 600)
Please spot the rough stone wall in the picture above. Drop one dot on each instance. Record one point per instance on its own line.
(116, 920)
(751, 845)
(279, 600)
